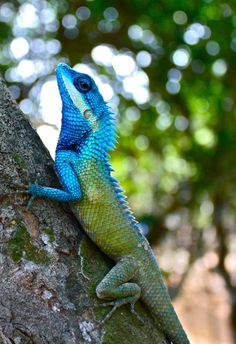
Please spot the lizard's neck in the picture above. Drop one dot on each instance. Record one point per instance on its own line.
(103, 136)
(93, 142)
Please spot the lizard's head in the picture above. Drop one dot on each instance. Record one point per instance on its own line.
(82, 103)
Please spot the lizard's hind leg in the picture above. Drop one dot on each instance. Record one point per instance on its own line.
(116, 287)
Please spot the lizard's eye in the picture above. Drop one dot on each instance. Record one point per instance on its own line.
(82, 84)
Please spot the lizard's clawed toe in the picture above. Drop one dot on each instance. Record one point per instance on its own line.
(106, 304)
(29, 204)
(133, 311)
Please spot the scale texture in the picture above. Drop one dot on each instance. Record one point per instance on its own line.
(97, 200)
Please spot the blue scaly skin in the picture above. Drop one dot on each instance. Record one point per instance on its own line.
(82, 164)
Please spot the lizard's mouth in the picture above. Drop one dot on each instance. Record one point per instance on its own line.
(62, 69)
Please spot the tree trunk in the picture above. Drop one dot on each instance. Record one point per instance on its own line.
(48, 268)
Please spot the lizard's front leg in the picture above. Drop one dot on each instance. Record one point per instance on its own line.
(68, 178)
(116, 287)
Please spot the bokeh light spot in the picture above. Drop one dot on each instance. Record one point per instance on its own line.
(226, 10)
(69, 21)
(15, 91)
(136, 85)
(25, 68)
(103, 54)
(194, 33)
(6, 12)
(27, 17)
(106, 91)
(205, 137)
(141, 95)
(123, 64)
(132, 113)
(144, 58)
(180, 17)
(148, 37)
(53, 46)
(111, 13)
(207, 207)
(213, 48)
(135, 32)
(173, 86)
(181, 57)
(26, 106)
(163, 121)
(50, 106)
(162, 107)
(83, 13)
(19, 47)
(38, 46)
(219, 67)
(49, 136)
(207, 33)
(47, 15)
(181, 123)
(174, 74)
(84, 68)
(142, 142)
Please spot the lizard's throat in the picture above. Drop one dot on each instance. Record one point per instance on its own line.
(72, 139)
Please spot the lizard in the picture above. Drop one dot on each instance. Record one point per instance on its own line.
(88, 132)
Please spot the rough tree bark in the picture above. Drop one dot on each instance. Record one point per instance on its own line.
(48, 267)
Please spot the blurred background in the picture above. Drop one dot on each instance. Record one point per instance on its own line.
(168, 70)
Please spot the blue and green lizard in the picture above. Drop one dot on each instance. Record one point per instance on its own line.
(82, 163)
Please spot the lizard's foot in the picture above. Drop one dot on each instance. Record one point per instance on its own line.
(16, 192)
(115, 304)
(22, 189)
(32, 190)
(119, 290)
(29, 204)
(109, 314)
(133, 311)
(18, 188)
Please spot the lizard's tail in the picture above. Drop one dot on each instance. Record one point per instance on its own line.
(157, 299)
